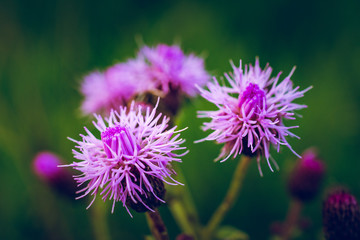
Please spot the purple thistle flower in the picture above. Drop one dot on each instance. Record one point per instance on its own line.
(129, 78)
(163, 70)
(96, 92)
(116, 86)
(171, 69)
(250, 112)
(131, 160)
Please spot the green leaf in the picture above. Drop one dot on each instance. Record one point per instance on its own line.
(230, 233)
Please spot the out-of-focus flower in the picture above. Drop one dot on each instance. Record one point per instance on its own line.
(128, 79)
(163, 71)
(96, 92)
(306, 178)
(116, 86)
(251, 112)
(341, 216)
(172, 70)
(45, 166)
(132, 159)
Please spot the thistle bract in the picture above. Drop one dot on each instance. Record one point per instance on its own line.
(341, 216)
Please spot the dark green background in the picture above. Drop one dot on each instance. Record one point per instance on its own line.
(47, 46)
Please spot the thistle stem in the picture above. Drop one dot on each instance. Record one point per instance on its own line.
(182, 207)
(230, 198)
(99, 220)
(156, 225)
(291, 219)
(179, 199)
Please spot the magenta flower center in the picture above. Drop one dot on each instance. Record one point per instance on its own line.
(118, 141)
(252, 100)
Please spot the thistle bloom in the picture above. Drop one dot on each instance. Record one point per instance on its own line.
(164, 69)
(131, 160)
(171, 70)
(128, 79)
(251, 112)
(96, 92)
(116, 86)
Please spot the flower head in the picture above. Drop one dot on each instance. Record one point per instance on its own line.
(164, 71)
(116, 86)
(96, 92)
(171, 69)
(251, 112)
(341, 216)
(306, 178)
(129, 78)
(131, 160)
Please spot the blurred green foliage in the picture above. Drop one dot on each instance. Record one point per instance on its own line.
(47, 46)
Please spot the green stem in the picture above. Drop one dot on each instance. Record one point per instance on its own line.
(156, 225)
(99, 220)
(179, 199)
(230, 198)
(291, 219)
(182, 207)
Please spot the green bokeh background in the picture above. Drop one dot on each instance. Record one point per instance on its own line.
(47, 46)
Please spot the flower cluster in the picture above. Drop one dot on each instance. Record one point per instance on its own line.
(251, 112)
(131, 160)
(162, 70)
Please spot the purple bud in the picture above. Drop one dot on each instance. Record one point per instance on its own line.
(341, 216)
(306, 178)
(46, 167)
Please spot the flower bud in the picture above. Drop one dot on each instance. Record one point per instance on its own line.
(341, 216)
(46, 167)
(306, 178)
